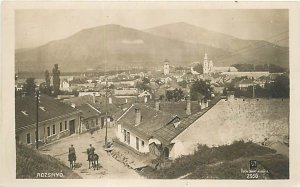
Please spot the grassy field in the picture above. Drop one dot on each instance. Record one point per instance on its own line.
(224, 162)
(30, 163)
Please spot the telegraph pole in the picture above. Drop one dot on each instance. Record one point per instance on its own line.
(106, 114)
(37, 119)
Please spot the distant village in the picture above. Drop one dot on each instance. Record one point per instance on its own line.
(151, 112)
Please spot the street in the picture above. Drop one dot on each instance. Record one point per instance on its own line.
(108, 166)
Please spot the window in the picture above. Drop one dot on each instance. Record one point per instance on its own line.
(48, 131)
(128, 137)
(125, 135)
(53, 129)
(66, 125)
(28, 138)
(60, 127)
(143, 143)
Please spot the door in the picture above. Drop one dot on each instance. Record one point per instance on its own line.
(72, 126)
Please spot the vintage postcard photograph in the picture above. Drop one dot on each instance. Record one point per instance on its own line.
(152, 93)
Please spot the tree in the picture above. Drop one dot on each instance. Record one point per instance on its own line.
(56, 79)
(183, 83)
(144, 85)
(281, 87)
(112, 86)
(200, 87)
(75, 92)
(30, 86)
(47, 86)
(146, 80)
(178, 94)
(199, 68)
(175, 95)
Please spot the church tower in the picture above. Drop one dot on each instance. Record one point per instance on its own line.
(166, 67)
(205, 64)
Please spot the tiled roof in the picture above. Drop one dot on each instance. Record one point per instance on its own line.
(52, 108)
(168, 132)
(151, 120)
(177, 108)
(78, 101)
(88, 111)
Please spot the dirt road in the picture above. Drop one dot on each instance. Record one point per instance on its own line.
(109, 167)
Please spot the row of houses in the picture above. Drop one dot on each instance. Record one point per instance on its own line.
(57, 119)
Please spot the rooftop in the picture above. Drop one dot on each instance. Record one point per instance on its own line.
(151, 120)
(88, 111)
(25, 110)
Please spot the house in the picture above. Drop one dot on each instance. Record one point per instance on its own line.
(244, 84)
(92, 106)
(145, 95)
(129, 92)
(56, 119)
(136, 128)
(65, 85)
(253, 74)
(90, 117)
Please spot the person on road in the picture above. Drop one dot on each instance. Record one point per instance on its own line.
(90, 151)
(72, 153)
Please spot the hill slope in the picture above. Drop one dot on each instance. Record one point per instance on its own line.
(253, 51)
(112, 45)
(30, 162)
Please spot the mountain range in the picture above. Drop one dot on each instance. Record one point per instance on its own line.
(111, 46)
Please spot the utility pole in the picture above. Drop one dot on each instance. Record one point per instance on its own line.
(106, 113)
(37, 119)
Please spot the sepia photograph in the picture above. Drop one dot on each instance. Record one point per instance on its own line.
(152, 93)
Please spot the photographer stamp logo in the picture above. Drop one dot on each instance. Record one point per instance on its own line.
(253, 164)
(255, 171)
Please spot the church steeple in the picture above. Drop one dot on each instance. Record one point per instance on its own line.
(205, 64)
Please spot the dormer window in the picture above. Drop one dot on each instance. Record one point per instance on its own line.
(176, 124)
(25, 112)
(42, 108)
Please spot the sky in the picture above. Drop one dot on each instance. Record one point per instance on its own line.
(37, 27)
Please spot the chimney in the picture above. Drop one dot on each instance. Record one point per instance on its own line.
(157, 104)
(94, 99)
(188, 106)
(138, 116)
(109, 100)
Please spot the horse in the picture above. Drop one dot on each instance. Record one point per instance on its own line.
(72, 159)
(94, 159)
